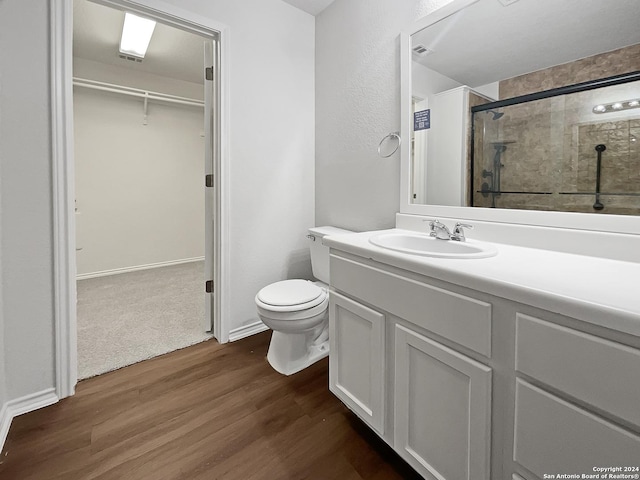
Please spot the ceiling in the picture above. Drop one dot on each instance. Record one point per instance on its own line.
(172, 53)
(487, 42)
(314, 7)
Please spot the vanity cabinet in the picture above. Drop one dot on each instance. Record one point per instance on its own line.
(577, 400)
(466, 385)
(442, 409)
(356, 363)
(430, 401)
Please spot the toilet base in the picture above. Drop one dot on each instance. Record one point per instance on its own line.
(291, 352)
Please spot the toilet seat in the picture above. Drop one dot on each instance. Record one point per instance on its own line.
(267, 311)
(291, 296)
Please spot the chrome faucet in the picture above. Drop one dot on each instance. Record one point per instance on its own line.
(440, 231)
(458, 231)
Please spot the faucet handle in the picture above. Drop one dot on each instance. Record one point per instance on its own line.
(464, 225)
(438, 229)
(433, 222)
(458, 231)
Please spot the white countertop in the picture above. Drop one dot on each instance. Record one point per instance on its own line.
(596, 290)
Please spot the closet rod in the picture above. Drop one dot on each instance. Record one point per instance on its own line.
(134, 92)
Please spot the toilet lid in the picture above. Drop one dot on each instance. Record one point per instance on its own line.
(290, 292)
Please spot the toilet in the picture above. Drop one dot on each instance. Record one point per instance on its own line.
(298, 311)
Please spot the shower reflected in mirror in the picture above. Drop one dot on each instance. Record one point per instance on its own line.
(551, 151)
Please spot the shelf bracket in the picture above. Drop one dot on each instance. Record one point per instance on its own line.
(146, 109)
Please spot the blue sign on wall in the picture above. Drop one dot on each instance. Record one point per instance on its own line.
(422, 120)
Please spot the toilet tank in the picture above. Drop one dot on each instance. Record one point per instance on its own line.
(320, 253)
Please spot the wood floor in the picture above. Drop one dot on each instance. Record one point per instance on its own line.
(206, 412)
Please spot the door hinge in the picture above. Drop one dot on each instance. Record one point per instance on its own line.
(208, 73)
(208, 180)
(208, 286)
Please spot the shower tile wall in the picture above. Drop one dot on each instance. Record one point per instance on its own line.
(553, 150)
(615, 62)
(532, 156)
(620, 172)
(556, 158)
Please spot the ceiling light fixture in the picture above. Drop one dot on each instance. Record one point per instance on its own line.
(136, 35)
(616, 106)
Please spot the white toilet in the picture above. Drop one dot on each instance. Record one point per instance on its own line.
(297, 311)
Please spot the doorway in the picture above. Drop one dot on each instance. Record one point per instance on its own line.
(65, 191)
(140, 200)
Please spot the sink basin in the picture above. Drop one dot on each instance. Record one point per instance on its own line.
(420, 244)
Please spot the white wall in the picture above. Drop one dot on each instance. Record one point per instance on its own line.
(491, 90)
(133, 78)
(271, 145)
(425, 81)
(139, 188)
(358, 103)
(272, 166)
(25, 198)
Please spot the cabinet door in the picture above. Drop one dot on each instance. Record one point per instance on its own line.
(356, 358)
(442, 409)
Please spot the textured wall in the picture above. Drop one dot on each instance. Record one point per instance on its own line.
(358, 103)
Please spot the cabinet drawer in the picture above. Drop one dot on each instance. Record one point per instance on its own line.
(599, 372)
(458, 318)
(553, 436)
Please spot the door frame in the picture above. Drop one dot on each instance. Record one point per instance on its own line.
(63, 174)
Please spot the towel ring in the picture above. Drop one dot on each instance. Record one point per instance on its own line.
(391, 135)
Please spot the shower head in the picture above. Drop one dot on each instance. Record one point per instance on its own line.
(496, 115)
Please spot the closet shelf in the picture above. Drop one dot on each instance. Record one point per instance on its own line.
(146, 95)
(135, 92)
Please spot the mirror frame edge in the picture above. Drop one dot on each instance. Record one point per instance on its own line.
(619, 224)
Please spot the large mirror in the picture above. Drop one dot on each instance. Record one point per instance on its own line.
(482, 134)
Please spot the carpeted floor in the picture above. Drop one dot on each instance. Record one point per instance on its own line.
(126, 318)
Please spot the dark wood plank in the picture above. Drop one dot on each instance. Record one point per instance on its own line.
(209, 411)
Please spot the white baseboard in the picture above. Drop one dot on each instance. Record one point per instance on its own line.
(247, 331)
(5, 424)
(116, 271)
(22, 405)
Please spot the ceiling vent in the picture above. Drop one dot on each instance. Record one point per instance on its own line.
(422, 50)
(130, 58)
